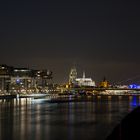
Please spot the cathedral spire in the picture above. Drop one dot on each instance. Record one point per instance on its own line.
(84, 75)
(73, 75)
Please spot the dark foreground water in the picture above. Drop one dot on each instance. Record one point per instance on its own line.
(27, 119)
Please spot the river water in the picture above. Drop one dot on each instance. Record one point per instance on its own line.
(27, 119)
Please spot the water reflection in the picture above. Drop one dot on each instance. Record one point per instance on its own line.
(38, 120)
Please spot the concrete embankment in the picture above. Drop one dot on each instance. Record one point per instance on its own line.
(23, 96)
(8, 96)
(128, 129)
(73, 98)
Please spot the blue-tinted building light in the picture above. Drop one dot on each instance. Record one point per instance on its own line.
(17, 81)
(134, 86)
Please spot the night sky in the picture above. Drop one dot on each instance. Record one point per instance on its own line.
(100, 37)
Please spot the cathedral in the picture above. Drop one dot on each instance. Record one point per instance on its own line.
(73, 80)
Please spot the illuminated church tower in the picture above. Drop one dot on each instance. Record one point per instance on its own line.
(72, 76)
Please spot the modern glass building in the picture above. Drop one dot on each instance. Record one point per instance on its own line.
(23, 79)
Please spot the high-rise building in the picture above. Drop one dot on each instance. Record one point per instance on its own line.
(5, 72)
(23, 79)
(43, 78)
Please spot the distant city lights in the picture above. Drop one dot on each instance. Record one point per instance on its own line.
(134, 86)
(18, 81)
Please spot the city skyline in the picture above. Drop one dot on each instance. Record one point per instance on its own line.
(79, 75)
(102, 38)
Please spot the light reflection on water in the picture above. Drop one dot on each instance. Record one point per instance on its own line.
(38, 120)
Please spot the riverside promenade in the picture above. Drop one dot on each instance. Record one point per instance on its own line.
(69, 98)
(23, 96)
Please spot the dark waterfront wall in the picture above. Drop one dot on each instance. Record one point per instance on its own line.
(128, 128)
